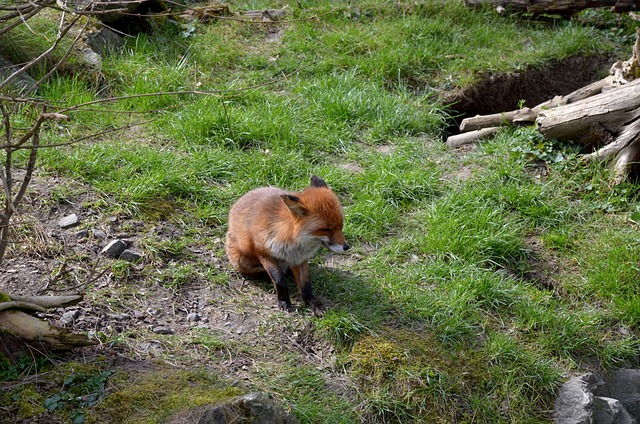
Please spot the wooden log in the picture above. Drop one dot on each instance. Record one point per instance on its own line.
(471, 136)
(626, 159)
(528, 115)
(22, 328)
(560, 7)
(628, 135)
(48, 301)
(33, 330)
(484, 121)
(611, 109)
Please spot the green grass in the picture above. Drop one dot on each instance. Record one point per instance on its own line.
(465, 299)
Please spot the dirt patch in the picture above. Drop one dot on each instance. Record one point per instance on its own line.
(542, 266)
(529, 87)
(182, 305)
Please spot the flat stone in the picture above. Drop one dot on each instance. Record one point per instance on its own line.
(255, 408)
(97, 233)
(131, 255)
(193, 317)
(625, 386)
(69, 221)
(82, 233)
(114, 248)
(161, 329)
(104, 41)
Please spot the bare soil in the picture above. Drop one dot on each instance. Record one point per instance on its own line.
(141, 316)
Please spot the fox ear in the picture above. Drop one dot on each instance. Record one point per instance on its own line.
(293, 203)
(317, 182)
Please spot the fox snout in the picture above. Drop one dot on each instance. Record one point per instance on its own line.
(336, 243)
(338, 248)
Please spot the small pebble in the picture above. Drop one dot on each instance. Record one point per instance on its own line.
(114, 248)
(69, 221)
(162, 330)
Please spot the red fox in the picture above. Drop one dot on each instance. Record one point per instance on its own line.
(274, 231)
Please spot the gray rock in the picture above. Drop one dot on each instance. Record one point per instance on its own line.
(119, 316)
(97, 233)
(625, 386)
(610, 411)
(161, 329)
(104, 41)
(69, 317)
(69, 221)
(254, 408)
(259, 408)
(131, 256)
(574, 404)
(91, 58)
(82, 233)
(193, 317)
(21, 82)
(114, 248)
(588, 399)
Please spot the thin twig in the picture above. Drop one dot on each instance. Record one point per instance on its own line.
(78, 140)
(61, 33)
(187, 92)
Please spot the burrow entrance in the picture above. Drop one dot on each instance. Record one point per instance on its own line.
(506, 92)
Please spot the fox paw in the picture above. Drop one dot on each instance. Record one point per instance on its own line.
(285, 305)
(317, 309)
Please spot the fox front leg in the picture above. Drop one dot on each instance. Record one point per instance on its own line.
(279, 282)
(301, 275)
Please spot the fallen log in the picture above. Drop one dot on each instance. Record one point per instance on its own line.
(559, 7)
(527, 116)
(20, 328)
(612, 110)
(604, 114)
(469, 137)
(32, 330)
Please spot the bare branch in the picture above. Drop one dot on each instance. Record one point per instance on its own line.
(62, 31)
(87, 137)
(31, 165)
(21, 305)
(59, 63)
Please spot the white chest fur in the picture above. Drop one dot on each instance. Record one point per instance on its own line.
(295, 253)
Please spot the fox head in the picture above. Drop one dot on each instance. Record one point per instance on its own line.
(319, 214)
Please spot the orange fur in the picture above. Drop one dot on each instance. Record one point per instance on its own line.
(272, 230)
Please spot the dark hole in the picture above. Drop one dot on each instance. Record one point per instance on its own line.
(507, 92)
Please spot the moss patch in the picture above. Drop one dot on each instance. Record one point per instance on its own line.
(412, 366)
(155, 396)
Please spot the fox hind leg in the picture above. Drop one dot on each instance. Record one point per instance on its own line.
(242, 263)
